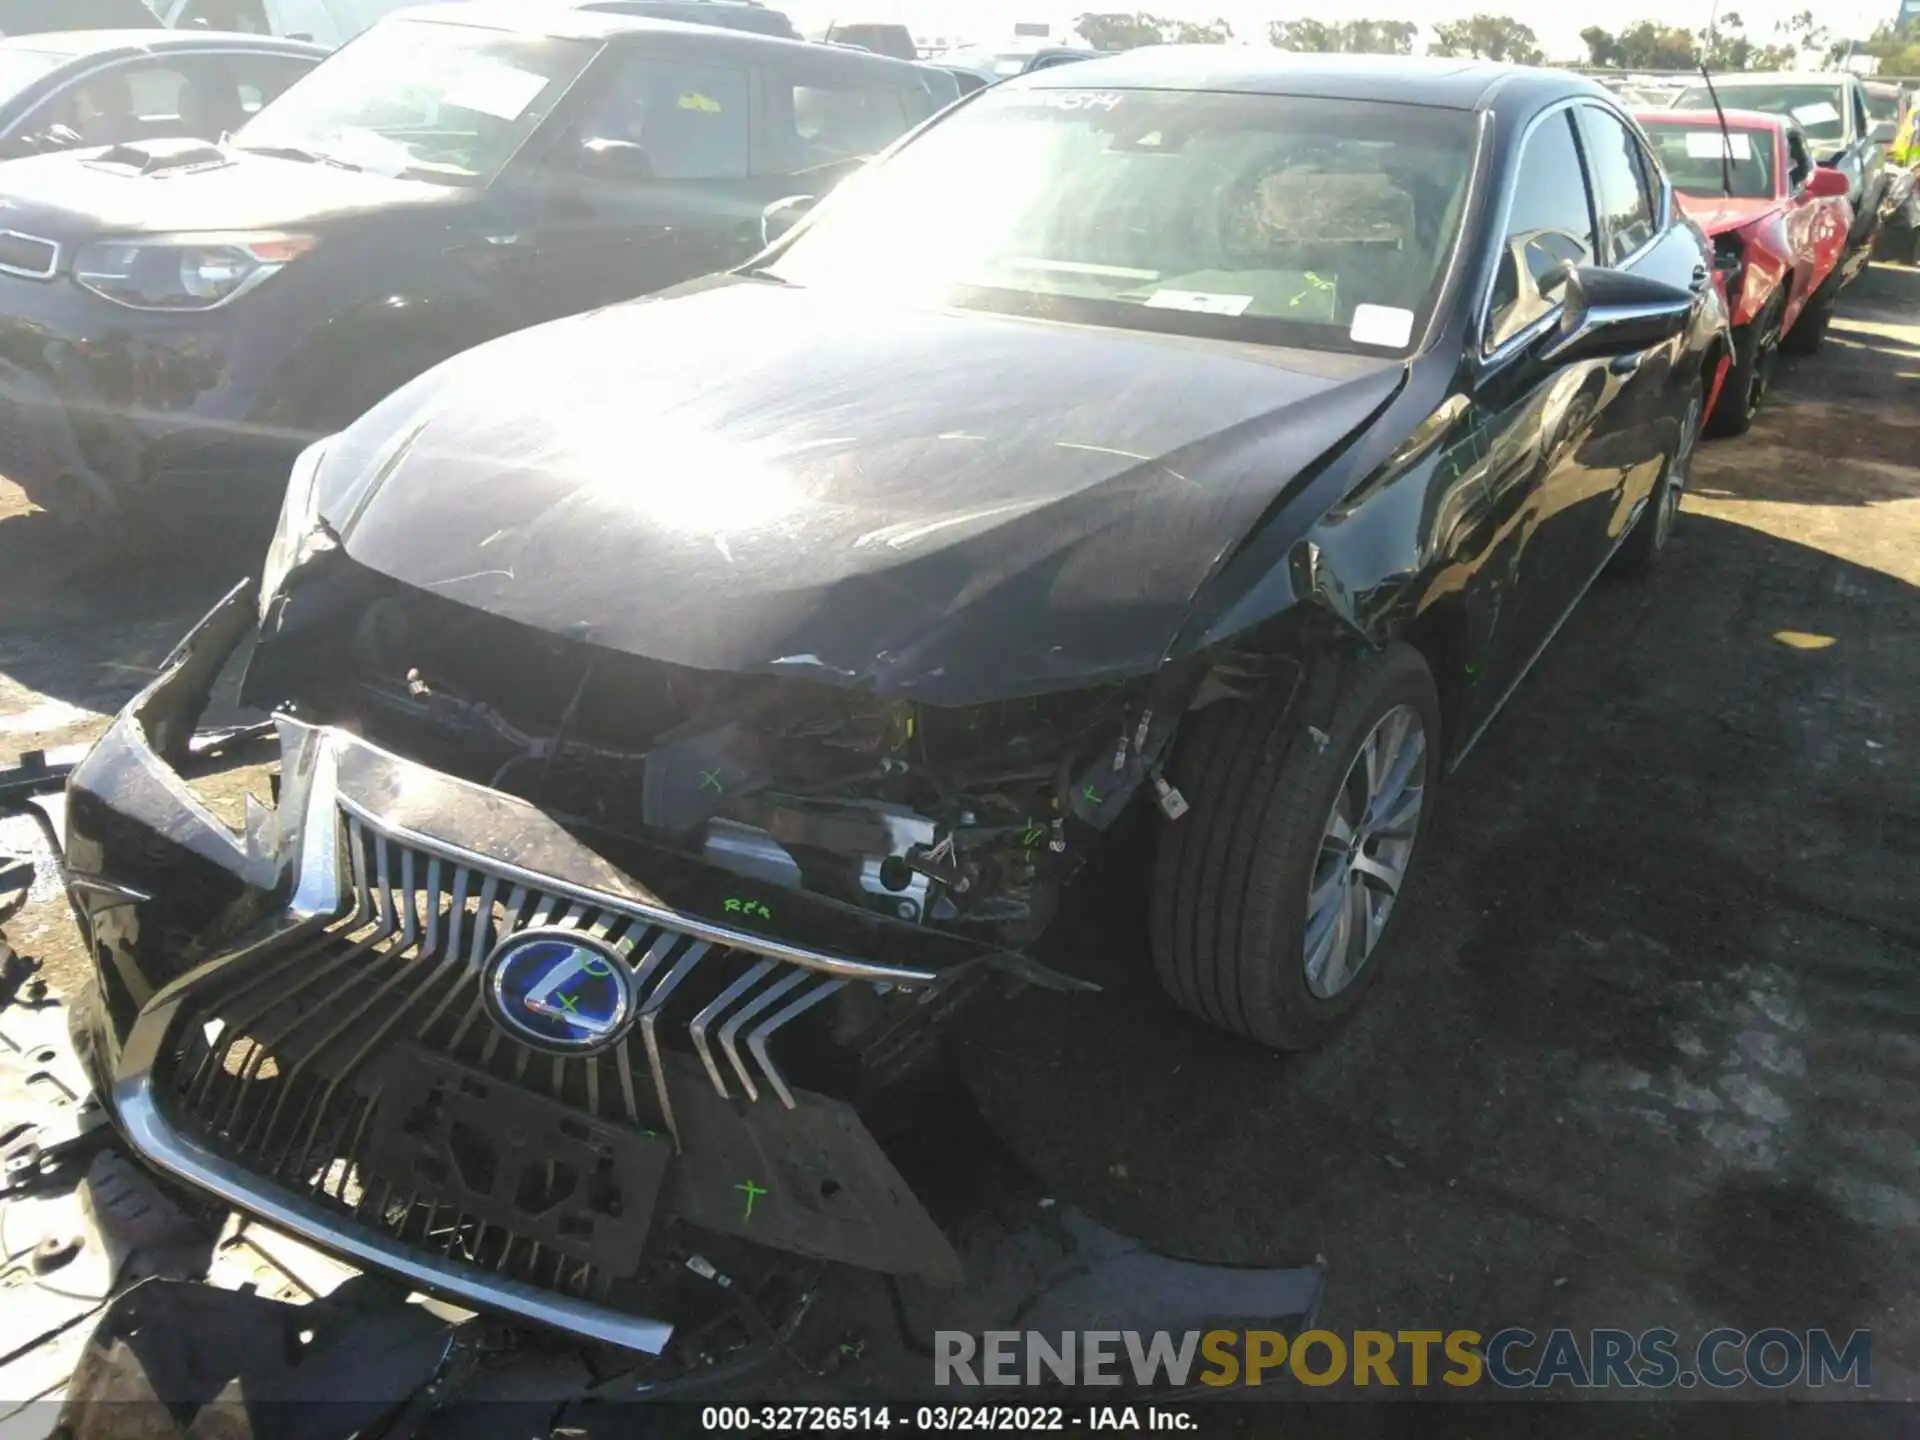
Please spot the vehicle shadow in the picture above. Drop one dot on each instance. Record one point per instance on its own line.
(1665, 920)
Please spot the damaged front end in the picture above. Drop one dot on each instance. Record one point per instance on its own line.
(510, 1002)
(966, 819)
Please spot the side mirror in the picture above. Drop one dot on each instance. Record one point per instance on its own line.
(782, 215)
(1883, 133)
(1826, 184)
(1614, 312)
(600, 155)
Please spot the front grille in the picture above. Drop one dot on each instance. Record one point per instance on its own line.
(278, 1063)
(28, 255)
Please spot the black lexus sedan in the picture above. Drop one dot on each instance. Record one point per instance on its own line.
(683, 708)
(179, 318)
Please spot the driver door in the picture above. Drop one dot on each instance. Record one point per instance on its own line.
(1534, 428)
(648, 184)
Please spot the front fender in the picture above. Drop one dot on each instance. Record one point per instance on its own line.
(376, 346)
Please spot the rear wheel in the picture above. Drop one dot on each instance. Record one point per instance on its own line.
(1756, 355)
(1648, 540)
(1276, 898)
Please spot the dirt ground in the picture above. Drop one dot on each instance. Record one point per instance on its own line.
(1654, 1056)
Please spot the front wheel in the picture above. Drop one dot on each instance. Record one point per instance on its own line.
(1756, 354)
(1276, 897)
(1809, 332)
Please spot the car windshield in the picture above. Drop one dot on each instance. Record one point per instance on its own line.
(1701, 160)
(20, 68)
(1012, 63)
(1324, 223)
(423, 100)
(1820, 109)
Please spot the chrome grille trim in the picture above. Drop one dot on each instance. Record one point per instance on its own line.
(52, 266)
(714, 934)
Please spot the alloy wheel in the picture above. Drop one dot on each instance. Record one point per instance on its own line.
(1675, 485)
(1365, 850)
(1766, 358)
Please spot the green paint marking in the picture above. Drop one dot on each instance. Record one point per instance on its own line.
(566, 1003)
(597, 966)
(1091, 795)
(753, 1192)
(1032, 835)
(712, 777)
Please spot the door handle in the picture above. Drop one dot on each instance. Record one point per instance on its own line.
(1625, 364)
(1698, 282)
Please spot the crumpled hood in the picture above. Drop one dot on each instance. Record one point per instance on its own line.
(749, 477)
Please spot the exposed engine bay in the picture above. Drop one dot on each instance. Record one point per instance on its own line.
(966, 817)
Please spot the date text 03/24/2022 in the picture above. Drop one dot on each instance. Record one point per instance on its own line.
(923, 1419)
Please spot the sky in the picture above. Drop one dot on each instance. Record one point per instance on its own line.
(1556, 23)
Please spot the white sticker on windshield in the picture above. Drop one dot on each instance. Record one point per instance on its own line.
(1200, 302)
(495, 89)
(1381, 325)
(1711, 145)
(1817, 113)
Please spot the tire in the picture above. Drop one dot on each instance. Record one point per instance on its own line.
(1653, 532)
(1809, 332)
(1231, 878)
(1755, 354)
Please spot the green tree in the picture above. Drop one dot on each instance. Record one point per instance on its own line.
(1357, 37)
(1490, 37)
(1113, 30)
(1187, 32)
(1603, 47)
(1313, 37)
(1650, 45)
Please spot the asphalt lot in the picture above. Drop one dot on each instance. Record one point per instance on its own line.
(1655, 1056)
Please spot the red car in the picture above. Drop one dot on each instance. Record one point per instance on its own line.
(1778, 222)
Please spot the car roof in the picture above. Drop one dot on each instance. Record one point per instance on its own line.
(1705, 116)
(564, 22)
(76, 44)
(1444, 82)
(1735, 79)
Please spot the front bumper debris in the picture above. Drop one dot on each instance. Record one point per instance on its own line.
(277, 1004)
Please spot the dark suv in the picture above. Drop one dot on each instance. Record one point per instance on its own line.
(178, 319)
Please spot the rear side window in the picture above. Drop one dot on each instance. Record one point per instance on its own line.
(693, 121)
(247, 16)
(816, 121)
(260, 78)
(1621, 191)
(1549, 227)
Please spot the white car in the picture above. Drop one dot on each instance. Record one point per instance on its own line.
(324, 22)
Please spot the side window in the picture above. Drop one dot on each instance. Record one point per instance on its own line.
(1549, 227)
(186, 95)
(1799, 161)
(1620, 192)
(691, 122)
(249, 16)
(818, 121)
(304, 20)
(259, 79)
